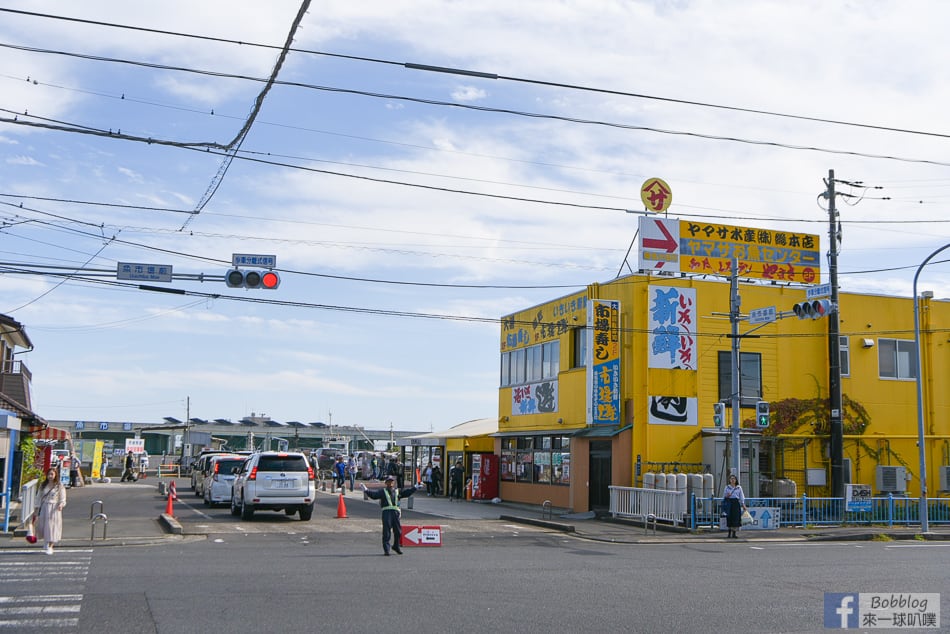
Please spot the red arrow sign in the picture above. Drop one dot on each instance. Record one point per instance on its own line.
(421, 535)
(668, 244)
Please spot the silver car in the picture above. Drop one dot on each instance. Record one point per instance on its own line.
(216, 485)
(274, 481)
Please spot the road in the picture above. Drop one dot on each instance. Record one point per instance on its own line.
(277, 573)
(511, 578)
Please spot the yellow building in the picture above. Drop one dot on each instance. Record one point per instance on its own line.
(605, 385)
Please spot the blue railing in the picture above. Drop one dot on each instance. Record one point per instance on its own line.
(805, 511)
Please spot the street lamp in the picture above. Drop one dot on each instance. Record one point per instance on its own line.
(924, 521)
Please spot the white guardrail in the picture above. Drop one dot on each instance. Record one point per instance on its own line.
(648, 504)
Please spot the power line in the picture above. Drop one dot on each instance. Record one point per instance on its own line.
(473, 107)
(492, 76)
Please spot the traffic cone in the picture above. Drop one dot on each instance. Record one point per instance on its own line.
(341, 508)
(170, 505)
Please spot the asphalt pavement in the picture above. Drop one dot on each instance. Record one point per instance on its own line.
(136, 514)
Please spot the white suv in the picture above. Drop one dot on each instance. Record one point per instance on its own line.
(216, 485)
(274, 481)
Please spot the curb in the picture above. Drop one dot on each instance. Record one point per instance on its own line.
(557, 526)
(169, 524)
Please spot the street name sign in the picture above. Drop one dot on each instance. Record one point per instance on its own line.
(143, 272)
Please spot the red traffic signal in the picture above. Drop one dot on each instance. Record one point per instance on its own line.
(812, 310)
(237, 278)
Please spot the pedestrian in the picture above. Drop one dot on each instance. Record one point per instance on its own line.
(427, 479)
(733, 503)
(128, 474)
(374, 464)
(351, 472)
(73, 471)
(105, 465)
(456, 478)
(436, 480)
(389, 497)
(49, 518)
(339, 472)
(400, 473)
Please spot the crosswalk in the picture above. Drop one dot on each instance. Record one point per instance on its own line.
(40, 592)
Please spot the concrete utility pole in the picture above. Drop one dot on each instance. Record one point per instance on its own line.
(836, 448)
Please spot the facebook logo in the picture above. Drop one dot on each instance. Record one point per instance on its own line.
(841, 610)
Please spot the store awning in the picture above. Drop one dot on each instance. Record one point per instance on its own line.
(50, 433)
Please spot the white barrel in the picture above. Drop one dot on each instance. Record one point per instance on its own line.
(649, 480)
(709, 485)
(661, 481)
(682, 504)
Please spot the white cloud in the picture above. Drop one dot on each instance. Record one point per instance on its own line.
(468, 93)
(23, 160)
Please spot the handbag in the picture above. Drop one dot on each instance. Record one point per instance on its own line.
(30, 535)
(746, 518)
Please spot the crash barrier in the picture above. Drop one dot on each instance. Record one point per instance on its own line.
(806, 511)
(92, 508)
(169, 470)
(640, 504)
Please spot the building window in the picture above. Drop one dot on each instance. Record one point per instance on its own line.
(897, 359)
(550, 359)
(845, 348)
(579, 346)
(750, 377)
(531, 364)
(536, 459)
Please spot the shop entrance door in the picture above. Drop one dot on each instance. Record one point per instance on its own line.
(599, 476)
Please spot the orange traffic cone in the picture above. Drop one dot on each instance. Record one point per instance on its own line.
(170, 505)
(341, 508)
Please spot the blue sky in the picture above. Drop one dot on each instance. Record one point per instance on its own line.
(385, 313)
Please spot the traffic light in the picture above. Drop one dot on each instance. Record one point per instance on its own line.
(719, 414)
(814, 309)
(236, 278)
(762, 414)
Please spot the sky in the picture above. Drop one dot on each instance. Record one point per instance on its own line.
(409, 209)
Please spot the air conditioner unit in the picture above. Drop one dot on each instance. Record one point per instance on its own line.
(944, 472)
(891, 479)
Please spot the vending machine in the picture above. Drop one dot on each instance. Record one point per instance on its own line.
(484, 476)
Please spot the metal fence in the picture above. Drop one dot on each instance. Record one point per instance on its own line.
(648, 504)
(819, 511)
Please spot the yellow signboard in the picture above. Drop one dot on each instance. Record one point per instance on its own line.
(656, 195)
(761, 253)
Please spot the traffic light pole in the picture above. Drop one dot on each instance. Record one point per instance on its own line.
(836, 444)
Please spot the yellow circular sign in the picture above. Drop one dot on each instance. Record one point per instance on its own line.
(656, 195)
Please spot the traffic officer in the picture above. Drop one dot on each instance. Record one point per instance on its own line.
(389, 497)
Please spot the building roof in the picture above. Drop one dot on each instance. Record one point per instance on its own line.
(468, 429)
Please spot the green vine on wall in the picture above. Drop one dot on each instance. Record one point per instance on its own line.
(29, 470)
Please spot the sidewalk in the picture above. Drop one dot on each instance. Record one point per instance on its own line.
(135, 512)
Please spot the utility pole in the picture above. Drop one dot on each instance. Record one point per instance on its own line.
(836, 445)
(735, 302)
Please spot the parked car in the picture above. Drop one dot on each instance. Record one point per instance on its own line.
(274, 481)
(326, 457)
(199, 466)
(216, 486)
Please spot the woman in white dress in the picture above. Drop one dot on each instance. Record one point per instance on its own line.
(49, 519)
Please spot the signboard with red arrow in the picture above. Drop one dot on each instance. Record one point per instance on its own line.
(421, 535)
(659, 244)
